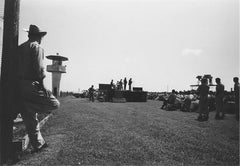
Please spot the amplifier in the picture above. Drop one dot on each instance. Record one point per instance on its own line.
(104, 86)
(137, 89)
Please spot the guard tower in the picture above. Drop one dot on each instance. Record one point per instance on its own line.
(56, 69)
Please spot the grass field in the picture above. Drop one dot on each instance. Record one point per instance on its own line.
(85, 133)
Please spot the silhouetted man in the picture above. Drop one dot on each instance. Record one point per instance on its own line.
(91, 93)
(219, 99)
(125, 83)
(130, 84)
(203, 91)
(112, 84)
(120, 84)
(236, 96)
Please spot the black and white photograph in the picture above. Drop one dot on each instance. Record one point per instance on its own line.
(119, 82)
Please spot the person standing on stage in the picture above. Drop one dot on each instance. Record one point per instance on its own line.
(120, 85)
(130, 84)
(125, 83)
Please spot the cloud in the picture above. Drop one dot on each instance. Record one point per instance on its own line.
(192, 52)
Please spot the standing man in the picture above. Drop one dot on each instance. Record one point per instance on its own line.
(111, 91)
(236, 96)
(203, 91)
(125, 83)
(112, 84)
(91, 93)
(120, 84)
(130, 84)
(33, 96)
(171, 100)
(219, 99)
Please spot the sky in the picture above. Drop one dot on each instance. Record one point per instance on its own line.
(160, 44)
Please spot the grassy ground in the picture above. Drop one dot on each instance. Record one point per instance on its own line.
(84, 133)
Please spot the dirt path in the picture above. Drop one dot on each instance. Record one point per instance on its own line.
(84, 133)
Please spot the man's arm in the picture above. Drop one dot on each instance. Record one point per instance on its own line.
(37, 63)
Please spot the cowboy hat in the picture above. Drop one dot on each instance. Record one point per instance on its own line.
(34, 30)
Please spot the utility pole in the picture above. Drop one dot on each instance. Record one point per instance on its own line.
(8, 78)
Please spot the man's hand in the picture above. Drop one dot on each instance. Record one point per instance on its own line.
(40, 86)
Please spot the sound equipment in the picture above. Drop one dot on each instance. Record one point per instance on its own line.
(137, 89)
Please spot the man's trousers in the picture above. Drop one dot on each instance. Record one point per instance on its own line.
(32, 101)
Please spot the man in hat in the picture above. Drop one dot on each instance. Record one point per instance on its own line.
(219, 99)
(33, 96)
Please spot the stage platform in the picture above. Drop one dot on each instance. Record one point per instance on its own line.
(132, 96)
(137, 95)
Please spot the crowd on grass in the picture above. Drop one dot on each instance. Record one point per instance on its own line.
(201, 100)
(184, 100)
(194, 101)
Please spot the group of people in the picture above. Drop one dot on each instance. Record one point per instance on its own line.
(35, 98)
(203, 100)
(203, 91)
(122, 85)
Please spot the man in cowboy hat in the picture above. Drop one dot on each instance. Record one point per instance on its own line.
(33, 96)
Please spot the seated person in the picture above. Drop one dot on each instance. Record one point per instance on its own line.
(194, 105)
(186, 104)
(171, 100)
